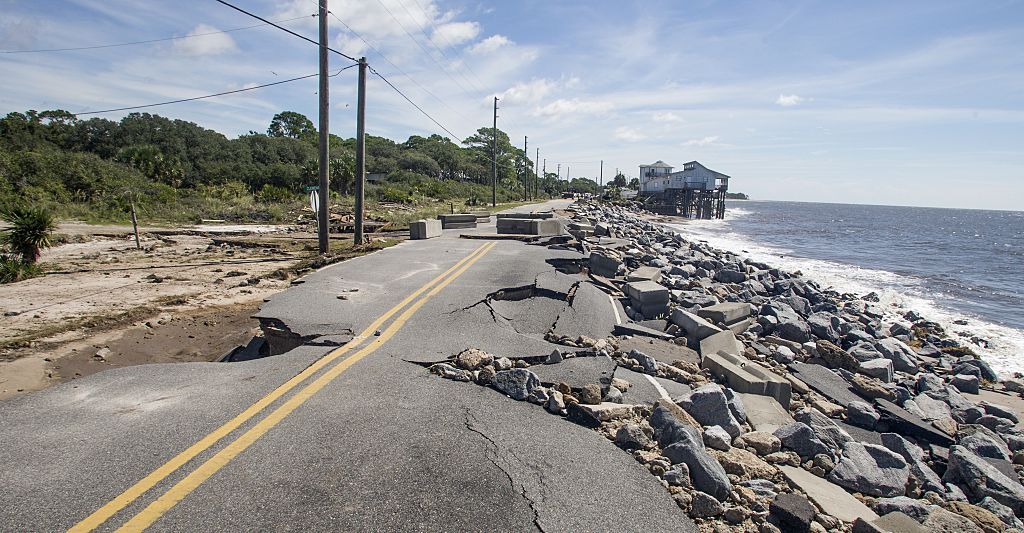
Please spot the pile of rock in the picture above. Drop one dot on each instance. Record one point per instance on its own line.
(791, 407)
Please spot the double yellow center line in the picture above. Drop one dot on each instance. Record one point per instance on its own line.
(182, 488)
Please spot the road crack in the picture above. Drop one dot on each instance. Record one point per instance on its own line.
(493, 455)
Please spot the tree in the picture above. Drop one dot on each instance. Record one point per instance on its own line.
(619, 180)
(291, 124)
(634, 184)
(30, 231)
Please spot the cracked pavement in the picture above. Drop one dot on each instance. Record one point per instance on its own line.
(384, 446)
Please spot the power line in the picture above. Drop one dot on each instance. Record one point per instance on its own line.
(435, 47)
(414, 104)
(96, 47)
(210, 95)
(300, 36)
(396, 67)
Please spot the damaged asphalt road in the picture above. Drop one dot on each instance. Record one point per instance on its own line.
(383, 446)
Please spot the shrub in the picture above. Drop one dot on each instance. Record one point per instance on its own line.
(13, 269)
(31, 229)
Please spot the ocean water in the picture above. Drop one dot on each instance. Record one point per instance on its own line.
(963, 268)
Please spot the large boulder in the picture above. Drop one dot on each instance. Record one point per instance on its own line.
(800, 438)
(902, 356)
(983, 441)
(872, 470)
(836, 357)
(709, 406)
(880, 369)
(824, 428)
(705, 472)
(518, 383)
(980, 479)
(824, 326)
(926, 478)
(793, 511)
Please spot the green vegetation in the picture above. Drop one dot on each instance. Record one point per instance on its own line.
(736, 196)
(177, 171)
(29, 230)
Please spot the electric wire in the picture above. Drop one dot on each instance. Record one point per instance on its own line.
(99, 46)
(300, 36)
(212, 95)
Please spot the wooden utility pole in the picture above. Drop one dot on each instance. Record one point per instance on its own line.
(559, 172)
(494, 156)
(536, 177)
(324, 163)
(135, 226)
(360, 150)
(601, 183)
(526, 173)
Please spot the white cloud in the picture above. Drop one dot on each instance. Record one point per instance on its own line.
(628, 134)
(706, 141)
(529, 92)
(205, 45)
(490, 44)
(789, 100)
(349, 44)
(667, 116)
(455, 33)
(574, 106)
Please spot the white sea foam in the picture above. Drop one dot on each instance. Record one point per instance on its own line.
(897, 293)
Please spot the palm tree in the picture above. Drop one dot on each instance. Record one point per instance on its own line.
(30, 231)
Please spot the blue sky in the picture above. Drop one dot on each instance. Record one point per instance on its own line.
(907, 103)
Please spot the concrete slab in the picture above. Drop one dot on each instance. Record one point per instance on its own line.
(665, 351)
(643, 273)
(898, 522)
(764, 412)
(725, 313)
(721, 342)
(604, 264)
(644, 391)
(860, 434)
(577, 371)
(696, 328)
(589, 313)
(646, 292)
(826, 382)
(899, 420)
(424, 229)
(748, 376)
(831, 498)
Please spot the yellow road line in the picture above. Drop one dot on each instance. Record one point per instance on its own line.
(184, 487)
(104, 513)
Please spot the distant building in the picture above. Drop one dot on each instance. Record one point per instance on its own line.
(694, 192)
(376, 177)
(659, 177)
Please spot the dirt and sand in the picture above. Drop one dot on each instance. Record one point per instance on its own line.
(187, 295)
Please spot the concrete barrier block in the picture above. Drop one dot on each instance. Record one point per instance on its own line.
(604, 264)
(747, 376)
(725, 313)
(526, 215)
(546, 227)
(645, 273)
(723, 341)
(513, 226)
(457, 221)
(424, 229)
(693, 325)
(644, 292)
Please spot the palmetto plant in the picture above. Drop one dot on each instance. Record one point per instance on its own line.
(30, 230)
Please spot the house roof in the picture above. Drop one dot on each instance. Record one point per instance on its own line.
(659, 164)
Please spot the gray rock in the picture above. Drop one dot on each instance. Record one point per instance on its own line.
(929, 382)
(800, 438)
(632, 437)
(987, 372)
(678, 476)
(926, 478)
(730, 276)
(861, 414)
(448, 371)
(794, 330)
(717, 438)
(667, 428)
(901, 355)
(880, 368)
(517, 382)
(647, 362)
(555, 403)
(1003, 512)
(943, 521)
(824, 428)
(966, 383)
(540, 395)
(980, 479)
(995, 423)
(709, 406)
(983, 441)
(1001, 411)
(915, 509)
(739, 412)
(836, 357)
(762, 487)
(705, 506)
(824, 326)
(705, 472)
(794, 512)
(872, 470)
